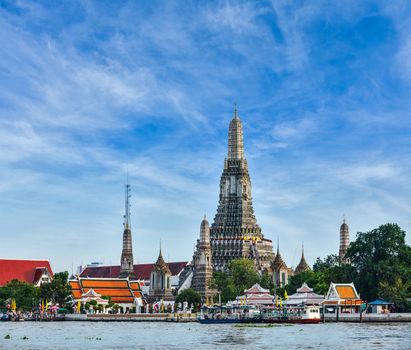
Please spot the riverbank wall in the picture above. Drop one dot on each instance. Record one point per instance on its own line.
(394, 317)
(132, 317)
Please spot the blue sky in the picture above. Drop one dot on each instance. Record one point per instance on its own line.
(89, 88)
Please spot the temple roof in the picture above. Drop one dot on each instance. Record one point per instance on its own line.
(302, 265)
(304, 288)
(304, 295)
(28, 271)
(141, 271)
(256, 289)
(161, 265)
(120, 290)
(342, 291)
(278, 261)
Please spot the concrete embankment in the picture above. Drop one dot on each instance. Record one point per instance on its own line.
(394, 317)
(133, 317)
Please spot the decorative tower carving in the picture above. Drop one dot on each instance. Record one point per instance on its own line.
(127, 269)
(281, 273)
(160, 281)
(235, 232)
(302, 266)
(203, 268)
(344, 240)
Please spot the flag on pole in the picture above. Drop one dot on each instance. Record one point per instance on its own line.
(285, 295)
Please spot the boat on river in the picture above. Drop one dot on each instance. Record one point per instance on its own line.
(229, 314)
(300, 314)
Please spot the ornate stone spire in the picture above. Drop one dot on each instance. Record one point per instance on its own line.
(205, 232)
(235, 138)
(302, 266)
(160, 264)
(127, 268)
(278, 261)
(235, 232)
(202, 264)
(344, 239)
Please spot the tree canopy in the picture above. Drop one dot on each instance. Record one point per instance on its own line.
(190, 296)
(58, 291)
(25, 294)
(241, 275)
(380, 266)
(382, 263)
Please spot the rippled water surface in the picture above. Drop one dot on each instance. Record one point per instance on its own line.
(130, 335)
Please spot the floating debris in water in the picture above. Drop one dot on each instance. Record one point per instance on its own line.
(250, 325)
(25, 338)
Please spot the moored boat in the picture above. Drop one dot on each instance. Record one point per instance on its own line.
(302, 314)
(229, 314)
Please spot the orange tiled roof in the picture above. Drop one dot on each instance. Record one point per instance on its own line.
(119, 290)
(112, 283)
(346, 292)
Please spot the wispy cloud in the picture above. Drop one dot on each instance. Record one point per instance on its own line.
(89, 88)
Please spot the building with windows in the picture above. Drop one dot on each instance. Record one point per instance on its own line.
(342, 298)
(160, 281)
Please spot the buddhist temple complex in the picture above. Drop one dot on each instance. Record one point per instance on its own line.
(235, 232)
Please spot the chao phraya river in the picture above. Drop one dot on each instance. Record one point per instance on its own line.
(132, 335)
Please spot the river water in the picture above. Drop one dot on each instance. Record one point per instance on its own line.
(159, 335)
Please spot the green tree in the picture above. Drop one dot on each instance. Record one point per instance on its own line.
(190, 296)
(57, 291)
(382, 263)
(266, 281)
(241, 275)
(25, 294)
(330, 261)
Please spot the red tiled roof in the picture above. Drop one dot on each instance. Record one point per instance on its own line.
(22, 270)
(141, 271)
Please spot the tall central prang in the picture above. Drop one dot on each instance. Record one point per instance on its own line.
(235, 232)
